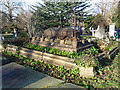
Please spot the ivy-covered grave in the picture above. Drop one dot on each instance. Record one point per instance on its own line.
(68, 59)
(106, 77)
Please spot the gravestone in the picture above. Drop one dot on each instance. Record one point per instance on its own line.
(93, 32)
(37, 38)
(62, 42)
(111, 29)
(100, 33)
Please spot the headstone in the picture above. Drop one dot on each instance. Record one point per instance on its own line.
(37, 38)
(100, 33)
(62, 42)
(93, 32)
(41, 39)
(111, 29)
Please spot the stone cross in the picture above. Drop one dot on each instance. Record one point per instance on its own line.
(93, 32)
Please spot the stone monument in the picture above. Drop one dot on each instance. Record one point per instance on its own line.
(111, 29)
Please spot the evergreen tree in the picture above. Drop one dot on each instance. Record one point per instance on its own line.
(47, 15)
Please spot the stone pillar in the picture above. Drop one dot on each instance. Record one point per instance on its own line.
(37, 38)
(51, 40)
(41, 39)
(111, 29)
(33, 39)
(74, 44)
(62, 42)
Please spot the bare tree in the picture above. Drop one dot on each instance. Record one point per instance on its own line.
(106, 8)
(24, 21)
(9, 9)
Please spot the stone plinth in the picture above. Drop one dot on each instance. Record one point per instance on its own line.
(62, 42)
(37, 38)
(74, 44)
(68, 42)
(51, 40)
(41, 39)
(46, 39)
(86, 72)
(33, 39)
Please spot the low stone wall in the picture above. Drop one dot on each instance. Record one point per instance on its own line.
(113, 52)
(52, 59)
(65, 47)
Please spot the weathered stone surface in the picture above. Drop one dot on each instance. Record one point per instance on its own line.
(41, 39)
(46, 39)
(56, 60)
(68, 42)
(86, 71)
(113, 52)
(62, 42)
(50, 32)
(38, 38)
(68, 85)
(51, 40)
(12, 48)
(33, 39)
(18, 76)
(74, 44)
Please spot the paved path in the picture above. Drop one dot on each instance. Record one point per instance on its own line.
(18, 76)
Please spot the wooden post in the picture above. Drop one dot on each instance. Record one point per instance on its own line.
(74, 27)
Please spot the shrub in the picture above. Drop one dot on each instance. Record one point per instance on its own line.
(87, 61)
